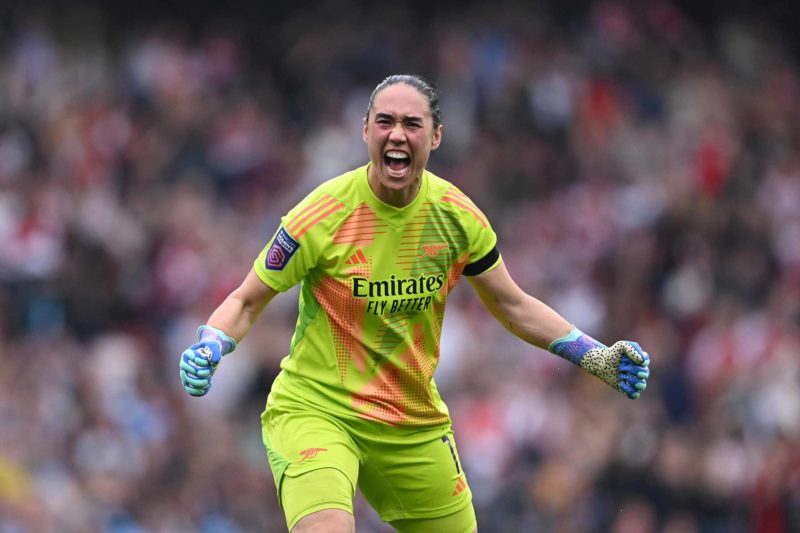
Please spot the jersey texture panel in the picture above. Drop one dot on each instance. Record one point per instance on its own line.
(374, 282)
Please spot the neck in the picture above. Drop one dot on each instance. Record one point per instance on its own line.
(394, 197)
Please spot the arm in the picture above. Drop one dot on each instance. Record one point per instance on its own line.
(226, 326)
(240, 310)
(622, 366)
(521, 314)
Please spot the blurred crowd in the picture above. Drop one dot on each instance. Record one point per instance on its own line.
(642, 174)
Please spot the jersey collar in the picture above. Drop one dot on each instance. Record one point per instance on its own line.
(396, 216)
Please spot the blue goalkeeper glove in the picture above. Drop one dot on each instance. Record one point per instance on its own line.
(623, 366)
(200, 360)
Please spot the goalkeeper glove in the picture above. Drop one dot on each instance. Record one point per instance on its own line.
(200, 360)
(624, 365)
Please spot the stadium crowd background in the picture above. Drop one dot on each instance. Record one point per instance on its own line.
(642, 172)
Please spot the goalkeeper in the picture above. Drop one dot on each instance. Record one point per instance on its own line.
(377, 251)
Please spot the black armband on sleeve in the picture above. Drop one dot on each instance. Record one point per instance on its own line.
(482, 265)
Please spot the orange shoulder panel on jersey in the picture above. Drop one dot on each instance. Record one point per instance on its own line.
(458, 198)
(360, 227)
(312, 214)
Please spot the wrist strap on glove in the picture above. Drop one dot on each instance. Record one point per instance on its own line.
(574, 345)
(209, 333)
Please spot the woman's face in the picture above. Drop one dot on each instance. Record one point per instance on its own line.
(400, 137)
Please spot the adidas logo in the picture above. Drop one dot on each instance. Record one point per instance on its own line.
(460, 486)
(357, 258)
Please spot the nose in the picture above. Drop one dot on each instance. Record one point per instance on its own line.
(398, 133)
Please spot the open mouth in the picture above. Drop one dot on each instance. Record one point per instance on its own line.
(397, 162)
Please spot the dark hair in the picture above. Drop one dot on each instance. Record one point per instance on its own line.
(423, 85)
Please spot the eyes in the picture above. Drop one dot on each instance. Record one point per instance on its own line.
(411, 123)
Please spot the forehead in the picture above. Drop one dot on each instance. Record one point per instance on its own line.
(402, 100)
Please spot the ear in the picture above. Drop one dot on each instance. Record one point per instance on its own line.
(437, 137)
(364, 131)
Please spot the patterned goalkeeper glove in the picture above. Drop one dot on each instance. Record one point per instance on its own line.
(200, 360)
(623, 365)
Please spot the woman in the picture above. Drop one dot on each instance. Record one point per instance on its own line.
(377, 251)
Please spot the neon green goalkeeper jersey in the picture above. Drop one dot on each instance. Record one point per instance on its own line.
(374, 282)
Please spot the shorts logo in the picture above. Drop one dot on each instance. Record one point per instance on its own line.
(432, 250)
(311, 453)
(460, 486)
(282, 249)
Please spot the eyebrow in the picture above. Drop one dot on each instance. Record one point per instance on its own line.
(406, 118)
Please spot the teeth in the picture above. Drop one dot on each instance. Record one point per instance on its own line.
(396, 155)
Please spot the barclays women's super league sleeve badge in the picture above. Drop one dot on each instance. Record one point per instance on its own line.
(282, 249)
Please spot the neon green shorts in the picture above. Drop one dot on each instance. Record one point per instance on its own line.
(406, 474)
